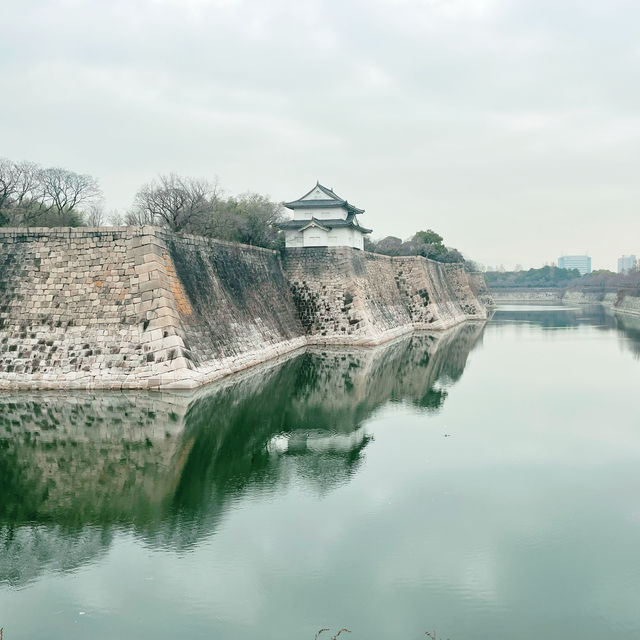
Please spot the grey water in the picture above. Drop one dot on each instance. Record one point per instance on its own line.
(483, 483)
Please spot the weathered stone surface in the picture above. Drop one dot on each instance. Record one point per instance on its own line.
(139, 307)
(355, 297)
(479, 287)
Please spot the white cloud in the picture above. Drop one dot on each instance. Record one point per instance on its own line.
(462, 115)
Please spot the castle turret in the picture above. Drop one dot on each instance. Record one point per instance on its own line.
(323, 219)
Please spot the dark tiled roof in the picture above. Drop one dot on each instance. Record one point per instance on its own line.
(325, 224)
(336, 201)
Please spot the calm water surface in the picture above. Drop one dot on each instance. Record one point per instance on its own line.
(484, 483)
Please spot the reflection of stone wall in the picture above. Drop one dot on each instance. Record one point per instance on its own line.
(26, 552)
(629, 325)
(89, 457)
(349, 385)
(113, 452)
(169, 463)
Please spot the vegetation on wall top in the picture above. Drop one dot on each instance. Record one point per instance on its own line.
(423, 243)
(33, 196)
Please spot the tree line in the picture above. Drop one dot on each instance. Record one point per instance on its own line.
(545, 277)
(33, 196)
(422, 243)
(601, 280)
(605, 281)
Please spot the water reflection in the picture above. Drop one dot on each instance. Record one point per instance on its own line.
(555, 318)
(74, 468)
(629, 328)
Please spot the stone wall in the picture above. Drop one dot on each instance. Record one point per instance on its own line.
(233, 302)
(139, 307)
(622, 301)
(626, 303)
(505, 295)
(354, 297)
(136, 308)
(81, 306)
(480, 288)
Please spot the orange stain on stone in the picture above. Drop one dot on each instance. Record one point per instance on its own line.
(182, 302)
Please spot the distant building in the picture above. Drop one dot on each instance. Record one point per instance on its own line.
(626, 263)
(581, 263)
(323, 219)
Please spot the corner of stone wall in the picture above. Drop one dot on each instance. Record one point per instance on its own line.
(460, 284)
(160, 300)
(480, 289)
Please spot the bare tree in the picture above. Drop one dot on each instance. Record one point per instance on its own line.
(115, 219)
(66, 191)
(18, 182)
(48, 197)
(7, 182)
(95, 215)
(174, 202)
(139, 216)
(21, 194)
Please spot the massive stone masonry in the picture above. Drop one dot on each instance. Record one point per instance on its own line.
(140, 307)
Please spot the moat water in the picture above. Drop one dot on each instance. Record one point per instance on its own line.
(484, 484)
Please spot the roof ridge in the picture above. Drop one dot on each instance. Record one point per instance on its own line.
(334, 200)
(329, 192)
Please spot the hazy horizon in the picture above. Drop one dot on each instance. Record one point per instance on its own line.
(509, 127)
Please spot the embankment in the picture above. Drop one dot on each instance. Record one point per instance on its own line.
(139, 307)
(621, 300)
(535, 295)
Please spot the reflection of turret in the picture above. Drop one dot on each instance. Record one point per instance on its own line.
(169, 464)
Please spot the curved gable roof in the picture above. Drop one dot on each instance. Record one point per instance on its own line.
(331, 200)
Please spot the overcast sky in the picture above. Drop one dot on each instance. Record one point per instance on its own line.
(511, 127)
